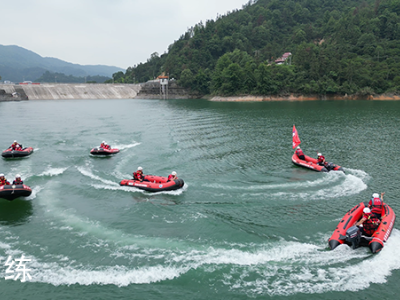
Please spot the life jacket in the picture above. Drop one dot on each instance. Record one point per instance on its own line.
(4, 182)
(376, 206)
(108, 147)
(18, 182)
(321, 160)
(371, 224)
(102, 145)
(138, 175)
(171, 177)
(299, 152)
(17, 147)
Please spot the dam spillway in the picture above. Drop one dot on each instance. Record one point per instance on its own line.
(65, 91)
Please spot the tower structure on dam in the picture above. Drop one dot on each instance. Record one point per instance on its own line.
(163, 86)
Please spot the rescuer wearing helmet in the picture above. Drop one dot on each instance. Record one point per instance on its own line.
(368, 222)
(104, 145)
(321, 160)
(18, 180)
(172, 176)
(16, 146)
(376, 204)
(300, 153)
(3, 180)
(138, 175)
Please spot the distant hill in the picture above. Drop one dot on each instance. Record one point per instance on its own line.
(19, 64)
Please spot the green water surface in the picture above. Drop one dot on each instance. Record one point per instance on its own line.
(247, 224)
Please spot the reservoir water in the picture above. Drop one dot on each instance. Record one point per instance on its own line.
(248, 223)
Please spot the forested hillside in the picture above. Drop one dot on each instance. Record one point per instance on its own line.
(337, 46)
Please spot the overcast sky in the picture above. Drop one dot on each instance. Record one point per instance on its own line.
(118, 33)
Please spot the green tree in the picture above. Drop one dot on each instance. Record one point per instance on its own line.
(232, 80)
(187, 78)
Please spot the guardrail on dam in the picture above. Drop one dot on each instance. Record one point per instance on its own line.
(65, 91)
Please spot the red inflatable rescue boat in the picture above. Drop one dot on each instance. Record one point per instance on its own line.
(11, 192)
(153, 183)
(103, 151)
(311, 163)
(10, 153)
(347, 233)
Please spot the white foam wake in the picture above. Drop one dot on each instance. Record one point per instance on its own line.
(88, 173)
(287, 185)
(123, 146)
(282, 268)
(53, 171)
(56, 275)
(35, 191)
(330, 185)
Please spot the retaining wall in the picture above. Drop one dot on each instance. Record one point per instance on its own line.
(58, 91)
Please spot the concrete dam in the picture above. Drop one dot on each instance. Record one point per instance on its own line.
(66, 91)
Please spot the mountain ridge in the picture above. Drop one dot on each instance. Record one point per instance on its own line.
(19, 64)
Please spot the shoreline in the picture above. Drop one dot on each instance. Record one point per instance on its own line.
(60, 91)
(293, 97)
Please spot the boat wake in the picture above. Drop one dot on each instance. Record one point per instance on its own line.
(88, 173)
(35, 191)
(53, 172)
(123, 146)
(279, 268)
(328, 185)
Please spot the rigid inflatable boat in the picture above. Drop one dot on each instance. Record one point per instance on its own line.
(153, 183)
(311, 163)
(347, 233)
(103, 151)
(11, 192)
(10, 153)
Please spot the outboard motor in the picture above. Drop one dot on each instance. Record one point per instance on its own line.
(353, 236)
(329, 166)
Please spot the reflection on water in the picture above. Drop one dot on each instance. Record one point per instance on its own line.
(16, 212)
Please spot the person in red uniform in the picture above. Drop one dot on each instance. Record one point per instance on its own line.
(3, 180)
(321, 160)
(16, 146)
(18, 180)
(138, 175)
(108, 147)
(103, 145)
(376, 205)
(369, 222)
(300, 153)
(172, 176)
